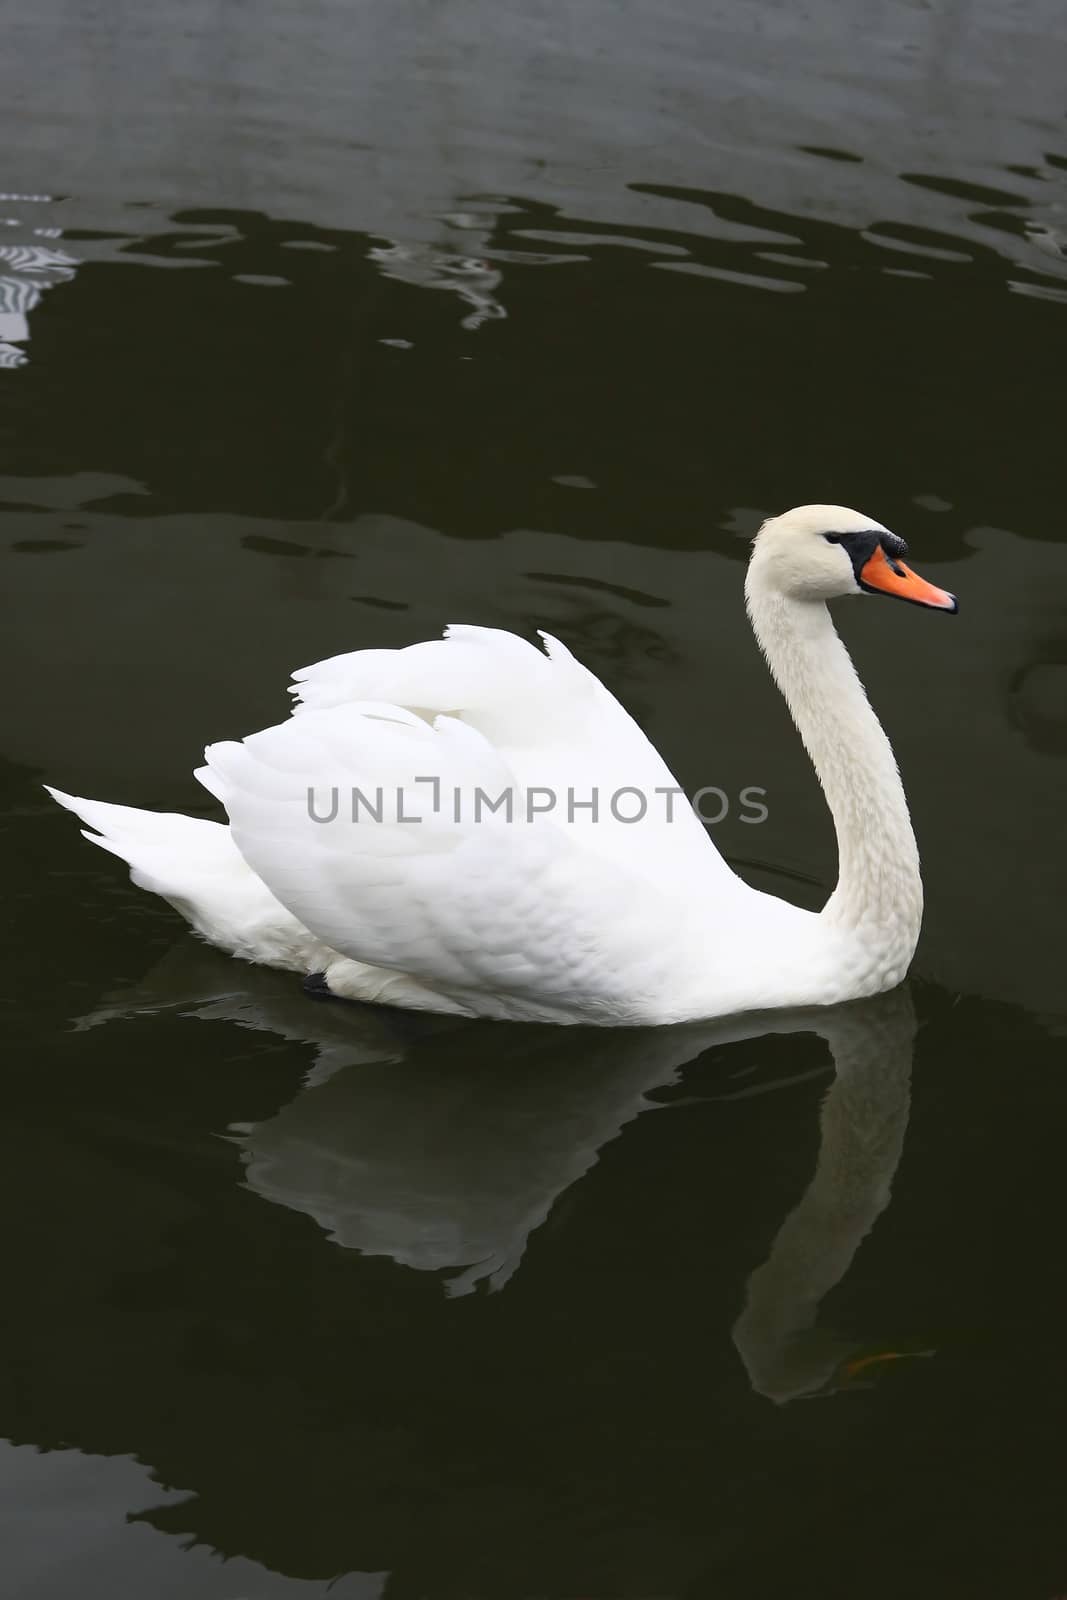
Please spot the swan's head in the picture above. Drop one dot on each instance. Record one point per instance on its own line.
(821, 552)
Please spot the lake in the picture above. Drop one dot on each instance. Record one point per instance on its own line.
(321, 328)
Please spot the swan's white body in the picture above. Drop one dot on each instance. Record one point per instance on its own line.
(441, 903)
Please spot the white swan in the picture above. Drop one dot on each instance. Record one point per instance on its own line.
(417, 893)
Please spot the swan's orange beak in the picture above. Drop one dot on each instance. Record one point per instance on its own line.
(852, 1369)
(878, 1358)
(880, 575)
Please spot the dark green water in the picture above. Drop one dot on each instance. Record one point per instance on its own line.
(325, 327)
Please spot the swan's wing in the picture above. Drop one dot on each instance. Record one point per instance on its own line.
(557, 728)
(430, 881)
(478, 670)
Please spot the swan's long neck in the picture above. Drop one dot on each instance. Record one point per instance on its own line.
(879, 891)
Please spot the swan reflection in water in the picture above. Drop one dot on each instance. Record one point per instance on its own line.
(444, 1144)
(786, 1353)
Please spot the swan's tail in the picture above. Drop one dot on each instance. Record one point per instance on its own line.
(195, 866)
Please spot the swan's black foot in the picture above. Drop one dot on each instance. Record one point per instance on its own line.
(316, 986)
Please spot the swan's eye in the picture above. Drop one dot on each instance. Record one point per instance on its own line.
(834, 538)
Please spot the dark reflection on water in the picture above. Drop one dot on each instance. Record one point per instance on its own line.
(449, 1162)
(295, 362)
(327, 1411)
(909, 345)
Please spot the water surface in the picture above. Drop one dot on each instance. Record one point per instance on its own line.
(324, 330)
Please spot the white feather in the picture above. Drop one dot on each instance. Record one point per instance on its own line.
(517, 918)
(195, 865)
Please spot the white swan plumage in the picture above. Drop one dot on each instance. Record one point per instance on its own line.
(358, 847)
